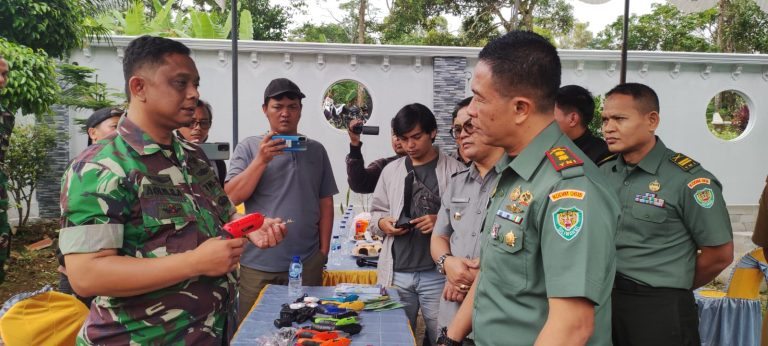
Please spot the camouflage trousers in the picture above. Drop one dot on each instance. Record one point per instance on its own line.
(5, 228)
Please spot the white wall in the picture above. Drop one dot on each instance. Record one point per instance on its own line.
(684, 94)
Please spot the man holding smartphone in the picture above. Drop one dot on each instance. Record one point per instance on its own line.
(296, 185)
(404, 208)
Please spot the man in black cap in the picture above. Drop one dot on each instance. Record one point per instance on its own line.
(102, 123)
(298, 186)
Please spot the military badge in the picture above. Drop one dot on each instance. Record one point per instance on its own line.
(495, 231)
(705, 197)
(654, 186)
(513, 208)
(515, 194)
(698, 181)
(684, 162)
(650, 198)
(525, 198)
(509, 239)
(457, 216)
(562, 158)
(568, 222)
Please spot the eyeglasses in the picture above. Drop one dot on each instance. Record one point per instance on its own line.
(205, 124)
(467, 127)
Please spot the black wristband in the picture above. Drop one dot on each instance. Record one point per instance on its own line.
(355, 152)
(443, 339)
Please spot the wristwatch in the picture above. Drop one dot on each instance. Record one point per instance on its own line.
(443, 339)
(441, 263)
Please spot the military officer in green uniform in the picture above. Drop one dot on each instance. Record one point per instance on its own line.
(6, 128)
(141, 216)
(674, 234)
(548, 256)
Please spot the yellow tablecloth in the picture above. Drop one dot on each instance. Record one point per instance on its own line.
(335, 277)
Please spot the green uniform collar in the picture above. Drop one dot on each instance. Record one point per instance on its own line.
(651, 162)
(526, 163)
(142, 143)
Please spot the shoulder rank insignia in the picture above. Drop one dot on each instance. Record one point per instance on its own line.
(684, 162)
(607, 159)
(562, 158)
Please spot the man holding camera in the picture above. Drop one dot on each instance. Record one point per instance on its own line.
(363, 179)
(404, 207)
(297, 186)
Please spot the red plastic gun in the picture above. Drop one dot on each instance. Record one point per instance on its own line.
(242, 226)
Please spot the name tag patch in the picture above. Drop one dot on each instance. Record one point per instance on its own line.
(650, 199)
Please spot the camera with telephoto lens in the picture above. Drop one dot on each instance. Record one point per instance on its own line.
(354, 113)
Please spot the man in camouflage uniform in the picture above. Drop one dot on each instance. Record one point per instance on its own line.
(141, 212)
(6, 128)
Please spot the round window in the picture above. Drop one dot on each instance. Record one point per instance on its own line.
(728, 115)
(346, 100)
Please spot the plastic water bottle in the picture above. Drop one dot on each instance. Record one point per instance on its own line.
(294, 278)
(335, 250)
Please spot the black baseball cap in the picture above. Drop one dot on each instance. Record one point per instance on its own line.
(102, 114)
(280, 86)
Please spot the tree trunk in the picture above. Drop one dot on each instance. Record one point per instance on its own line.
(361, 22)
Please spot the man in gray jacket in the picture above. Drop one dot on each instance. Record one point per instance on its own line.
(404, 208)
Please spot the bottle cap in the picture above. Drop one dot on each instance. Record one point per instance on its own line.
(296, 258)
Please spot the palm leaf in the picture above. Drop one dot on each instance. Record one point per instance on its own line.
(135, 20)
(246, 26)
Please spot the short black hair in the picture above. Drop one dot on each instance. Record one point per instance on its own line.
(290, 95)
(643, 95)
(148, 50)
(411, 115)
(463, 103)
(575, 98)
(525, 63)
(207, 106)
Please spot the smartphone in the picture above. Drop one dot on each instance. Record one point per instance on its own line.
(215, 151)
(293, 143)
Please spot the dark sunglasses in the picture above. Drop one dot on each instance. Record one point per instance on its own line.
(205, 124)
(467, 127)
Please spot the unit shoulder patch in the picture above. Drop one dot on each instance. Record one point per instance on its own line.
(562, 194)
(684, 162)
(568, 222)
(562, 158)
(698, 181)
(705, 197)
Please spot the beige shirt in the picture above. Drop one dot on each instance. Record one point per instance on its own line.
(387, 200)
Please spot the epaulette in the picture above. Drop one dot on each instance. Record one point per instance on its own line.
(609, 158)
(562, 158)
(684, 162)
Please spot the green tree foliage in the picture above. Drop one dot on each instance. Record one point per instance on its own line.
(27, 162)
(55, 26)
(81, 88)
(744, 27)
(549, 15)
(270, 22)
(326, 33)
(665, 28)
(578, 38)
(32, 86)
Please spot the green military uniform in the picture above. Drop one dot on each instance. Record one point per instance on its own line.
(670, 207)
(549, 233)
(147, 200)
(6, 129)
(760, 235)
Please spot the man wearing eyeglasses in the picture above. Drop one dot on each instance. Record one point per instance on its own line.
(197, 132)
(459, 117)
(456, 240)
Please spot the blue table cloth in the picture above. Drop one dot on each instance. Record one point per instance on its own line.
(387, 328)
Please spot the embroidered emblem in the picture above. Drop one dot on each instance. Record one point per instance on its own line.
(558, 195)
(568, 222)
(698, 181)
(654, 186)
(515, 194)
(166, 211)
(562, 158)
(525, 198)
(509, 239)
(684, 162)
(705, 197)
(649, 198)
